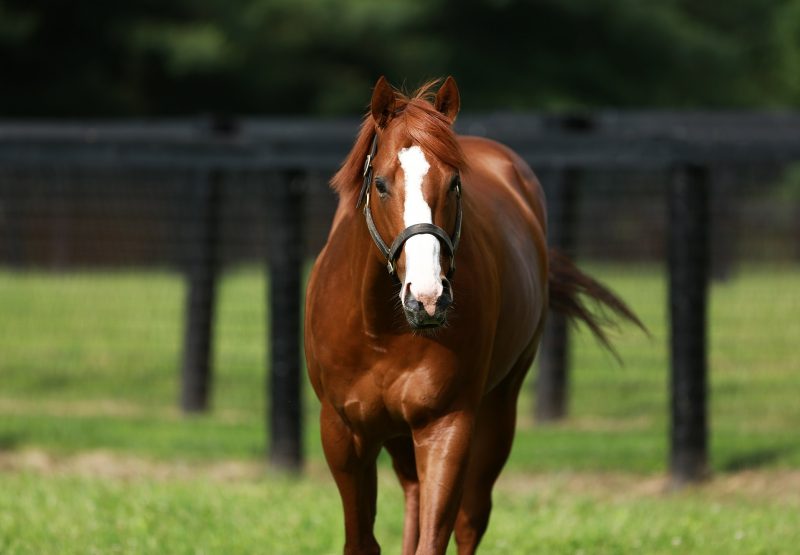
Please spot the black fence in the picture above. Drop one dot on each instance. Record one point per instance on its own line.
(199, 195)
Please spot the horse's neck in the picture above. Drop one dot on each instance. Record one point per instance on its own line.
(374, 290)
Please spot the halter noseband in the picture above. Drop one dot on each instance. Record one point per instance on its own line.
(393, 253)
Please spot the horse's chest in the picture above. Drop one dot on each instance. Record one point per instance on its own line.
(391, 394)
(382, 381)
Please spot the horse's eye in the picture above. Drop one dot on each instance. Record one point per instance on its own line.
(380, 185)
(455, 184)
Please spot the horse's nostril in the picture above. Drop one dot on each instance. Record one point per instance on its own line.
(410, 302)
(446, 299)
(446, 288)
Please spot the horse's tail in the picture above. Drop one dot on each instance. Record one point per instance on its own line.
(569, 289)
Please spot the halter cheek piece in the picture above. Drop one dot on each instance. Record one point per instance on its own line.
(393, 253)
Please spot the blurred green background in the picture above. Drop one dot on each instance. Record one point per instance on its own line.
(159, 57)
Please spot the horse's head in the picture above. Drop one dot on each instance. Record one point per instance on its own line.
(411, 193)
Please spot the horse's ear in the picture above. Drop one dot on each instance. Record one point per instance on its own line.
(448, 101)
(382, 104)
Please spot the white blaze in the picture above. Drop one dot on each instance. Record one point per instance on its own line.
(422, 251)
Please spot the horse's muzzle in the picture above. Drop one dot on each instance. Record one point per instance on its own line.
(420, 318)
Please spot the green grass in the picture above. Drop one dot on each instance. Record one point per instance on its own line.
(76, 514)
(118, 336)
(90, 361)
(83, 515)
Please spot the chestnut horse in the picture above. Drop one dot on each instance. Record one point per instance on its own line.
(409, 355)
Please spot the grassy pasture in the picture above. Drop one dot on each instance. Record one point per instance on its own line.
(88, 370)
(213, 509)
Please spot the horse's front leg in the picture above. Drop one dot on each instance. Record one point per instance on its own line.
(442, 451)
(352, 464)
(405, 465)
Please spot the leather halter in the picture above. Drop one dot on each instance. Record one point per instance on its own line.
(392, 253)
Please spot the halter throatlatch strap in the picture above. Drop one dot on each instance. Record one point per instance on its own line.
(393, 253)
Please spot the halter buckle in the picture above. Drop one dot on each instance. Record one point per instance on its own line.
(367, 164)
(366, 201)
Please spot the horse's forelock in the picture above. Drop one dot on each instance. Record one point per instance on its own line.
(433, 132)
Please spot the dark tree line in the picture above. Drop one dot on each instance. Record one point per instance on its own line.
(160, 57)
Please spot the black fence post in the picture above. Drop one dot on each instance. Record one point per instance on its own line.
(688, 289)
(202, 266)
(285, 212)
(552, 382)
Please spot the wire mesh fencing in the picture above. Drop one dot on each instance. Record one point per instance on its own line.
(135, 262)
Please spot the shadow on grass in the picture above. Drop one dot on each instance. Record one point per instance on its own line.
(755, 459)
(9, 441)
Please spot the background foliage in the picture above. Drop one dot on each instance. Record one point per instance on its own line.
(156, 57)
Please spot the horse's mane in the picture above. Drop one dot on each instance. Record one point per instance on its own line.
(421, 121)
